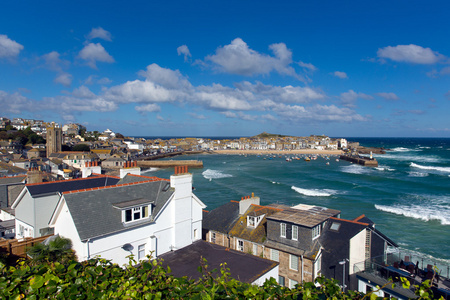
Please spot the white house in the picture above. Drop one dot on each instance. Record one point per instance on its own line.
(36, 202)
(143, 216)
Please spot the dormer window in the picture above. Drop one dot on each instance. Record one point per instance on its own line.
(253, 221)
(316, 231)
(134, 210)
(136, 213)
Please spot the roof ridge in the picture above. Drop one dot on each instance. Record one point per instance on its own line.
(268, 207)
(107, 187)
(58, 181)
(350, 221)
(359, 218)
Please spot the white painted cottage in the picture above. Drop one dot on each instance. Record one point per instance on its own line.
(138, 216)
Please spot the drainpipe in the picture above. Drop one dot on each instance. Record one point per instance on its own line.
(88, 253)
(302, 268)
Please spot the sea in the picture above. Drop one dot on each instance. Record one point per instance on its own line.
(407, 196)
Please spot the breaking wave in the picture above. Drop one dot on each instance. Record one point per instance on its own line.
(215, 174)
(355, 169)
(440, 169)
(417, 174)
(314, 192)
(402, 149)
(427, 213)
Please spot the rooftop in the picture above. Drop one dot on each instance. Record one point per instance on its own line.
(243, 267)
(305, 215)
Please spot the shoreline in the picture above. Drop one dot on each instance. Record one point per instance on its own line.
(279, 152)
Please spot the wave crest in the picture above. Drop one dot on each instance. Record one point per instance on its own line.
(425, 213)
(314, 192)
(440, 169)
(215, 174)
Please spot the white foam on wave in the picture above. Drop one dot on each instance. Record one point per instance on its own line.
(403, 149)
(384, 168)
(394, 156)
(314, 192)
(355, 169)
(437, 212)
(215, 174)
(274, 182)
(149, 170)
(417, 174)
(440, 169)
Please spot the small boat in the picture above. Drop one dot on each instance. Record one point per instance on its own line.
(328, 163)
(307, 158)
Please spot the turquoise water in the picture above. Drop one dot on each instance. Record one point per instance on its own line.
(407, 196)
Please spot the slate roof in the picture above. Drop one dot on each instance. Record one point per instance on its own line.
(222, 218)
(10, 169)
(258, 234)
(305, 215)
(94, 212)
(243, 266)
(130, 178)
(13, 180)
(70, 185)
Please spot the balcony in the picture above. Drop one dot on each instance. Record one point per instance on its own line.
(382, 270)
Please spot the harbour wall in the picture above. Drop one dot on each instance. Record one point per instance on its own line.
(363, 161)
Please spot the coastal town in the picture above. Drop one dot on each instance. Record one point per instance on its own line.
(65, 181)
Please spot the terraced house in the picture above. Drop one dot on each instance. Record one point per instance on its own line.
(306, 240)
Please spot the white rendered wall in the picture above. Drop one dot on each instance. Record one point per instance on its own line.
(272, 273)
(357, 249)
(87, 171)
(133, 171)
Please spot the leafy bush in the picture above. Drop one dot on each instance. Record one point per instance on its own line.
(100, 279)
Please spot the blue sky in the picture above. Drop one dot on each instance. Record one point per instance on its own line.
(229, 68)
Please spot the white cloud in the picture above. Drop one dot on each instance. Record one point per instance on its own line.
(64, 78)
(341, 75)
(238, 58)
(167, 78)
(388, 96)
(104, 81)
(239, 115)
(152, 107)
(8, 47)
(54, 62)
(349, 98)
(197, 116)
(92, 79)
(307, 66)
(92, 53)
(99, 33)
(317, 113)
(14, 103)
(410, 54)
(185, 51)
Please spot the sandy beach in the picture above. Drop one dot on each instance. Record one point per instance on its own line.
(280, 152)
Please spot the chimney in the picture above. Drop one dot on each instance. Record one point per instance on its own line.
(246, 202)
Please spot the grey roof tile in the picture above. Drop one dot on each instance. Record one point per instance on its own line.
(94, 212)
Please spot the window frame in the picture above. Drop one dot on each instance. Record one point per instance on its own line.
(240, 245)
(136, 213)
(292, 259)
(273, 256)
(316, 231)
(141, 251)
(283, 230)
(295, 236)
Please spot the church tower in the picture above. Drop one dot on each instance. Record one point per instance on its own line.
(54, 139)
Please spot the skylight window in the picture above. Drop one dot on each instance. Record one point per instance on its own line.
(335, 226)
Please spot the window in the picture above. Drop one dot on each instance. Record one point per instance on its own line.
(335, 226)
(240, 245)
(293, 262)
(136, 213)
(292, 283)
(213, 237)
(294, 232)
(316, 231)
(251, 221)
(274, 255)
(141, 252)
(283, 230)
(281, 280)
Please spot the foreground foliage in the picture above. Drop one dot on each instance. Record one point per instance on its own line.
(100, 279)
